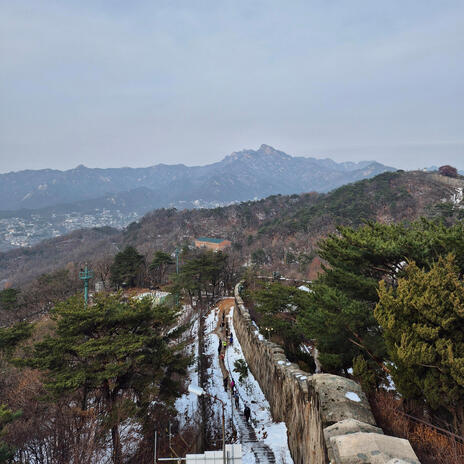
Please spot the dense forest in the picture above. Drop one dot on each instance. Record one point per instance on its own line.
(280, 232)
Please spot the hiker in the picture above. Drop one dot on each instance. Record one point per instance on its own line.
(232, 384)
(237, 404)
(219, 347)
(247, 412)
(226, 381)
(224, 344)
(231, 339)
(227, 332)
(223, 316)
(221, 356)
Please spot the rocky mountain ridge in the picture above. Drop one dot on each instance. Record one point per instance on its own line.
(240, 176)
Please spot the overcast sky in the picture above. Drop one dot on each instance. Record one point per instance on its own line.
(136, 83)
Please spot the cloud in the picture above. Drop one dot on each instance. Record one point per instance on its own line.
(111, 83)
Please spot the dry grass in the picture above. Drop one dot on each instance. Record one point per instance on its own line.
(430, 445)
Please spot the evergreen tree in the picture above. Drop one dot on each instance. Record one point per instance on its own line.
(161, 261)
(9, 299)
(423, 323)
(126, 268)
(11, 337)
(204, 273)
(6, 416)
(340, 315)
(279, 305)
(121, 353)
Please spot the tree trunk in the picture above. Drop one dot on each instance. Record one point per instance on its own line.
(117, 452)
(458, 419)
(110, 397)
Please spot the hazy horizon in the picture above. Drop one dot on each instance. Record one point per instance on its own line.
(337, 159)
(112, 84)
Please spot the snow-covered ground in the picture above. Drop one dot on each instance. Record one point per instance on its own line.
(272, 434)
(187, 404)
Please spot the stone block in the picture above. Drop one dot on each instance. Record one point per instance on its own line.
(346, 427)
(341, 398)
(371, 448)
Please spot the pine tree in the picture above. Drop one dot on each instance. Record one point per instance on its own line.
(9, 299)
(120, 352)
(126, 268)
(202, 274)
(6, 416)
(160, 263)
(423, 323)
(279, 305)
(340, 315)
(11, 337)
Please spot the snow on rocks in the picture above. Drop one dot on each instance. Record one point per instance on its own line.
(353, 397)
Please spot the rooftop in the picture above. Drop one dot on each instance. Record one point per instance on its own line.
(210, 240)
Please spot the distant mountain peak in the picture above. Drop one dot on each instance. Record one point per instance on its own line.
(245, 174)
(268, 150)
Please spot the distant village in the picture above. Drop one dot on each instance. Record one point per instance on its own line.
(27, 231)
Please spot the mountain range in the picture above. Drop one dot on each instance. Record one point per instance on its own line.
(243, 175)
(36, 205)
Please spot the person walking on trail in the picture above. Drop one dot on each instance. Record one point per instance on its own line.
(219, 347)
(236, 398)
(224, 344)
(247, 413)
(231, 339)
(227, 332)
(226, 381)
(232, 384)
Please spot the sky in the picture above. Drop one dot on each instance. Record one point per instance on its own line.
(135, 83)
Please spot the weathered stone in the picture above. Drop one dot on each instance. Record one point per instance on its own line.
(334, 397)
(370, 448)
(346, 427)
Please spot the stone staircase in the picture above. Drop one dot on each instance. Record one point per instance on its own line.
(263, 454)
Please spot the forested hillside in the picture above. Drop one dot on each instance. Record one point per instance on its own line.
(279, 232)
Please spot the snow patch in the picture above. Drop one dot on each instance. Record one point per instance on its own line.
(353, 397)
(458, 196)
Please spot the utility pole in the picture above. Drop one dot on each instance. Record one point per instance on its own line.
(86, 275)
(200, 392)
(177, 259)
(176, 252)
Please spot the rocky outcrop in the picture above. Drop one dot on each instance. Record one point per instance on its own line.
(328, 417)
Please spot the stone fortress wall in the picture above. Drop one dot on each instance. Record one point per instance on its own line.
(328, 417)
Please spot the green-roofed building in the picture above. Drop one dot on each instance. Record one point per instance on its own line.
(215, 244)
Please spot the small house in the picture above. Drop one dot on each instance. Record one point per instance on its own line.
(215, 244)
